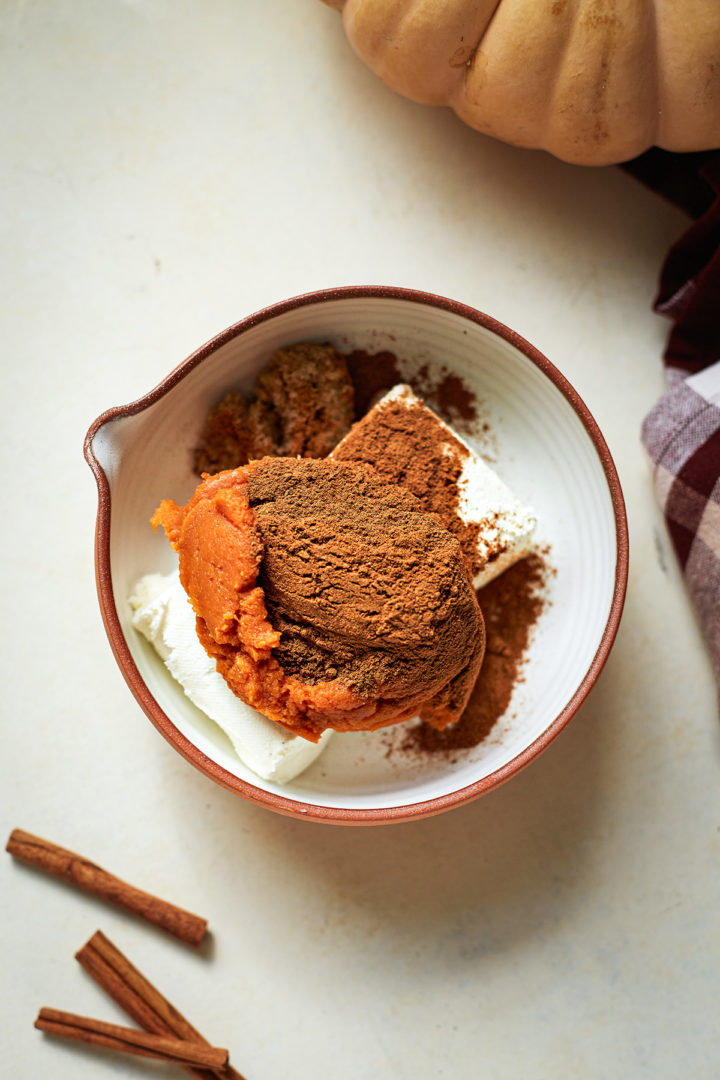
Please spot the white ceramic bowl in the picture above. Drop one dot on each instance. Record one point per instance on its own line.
(548, 449)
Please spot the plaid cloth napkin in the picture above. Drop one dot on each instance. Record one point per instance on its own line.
(682, 432)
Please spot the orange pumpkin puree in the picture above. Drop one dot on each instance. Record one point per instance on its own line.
(327, 598)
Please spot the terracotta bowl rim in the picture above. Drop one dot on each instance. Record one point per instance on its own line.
(280, 803)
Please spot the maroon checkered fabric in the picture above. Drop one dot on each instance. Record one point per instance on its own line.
(682, 433)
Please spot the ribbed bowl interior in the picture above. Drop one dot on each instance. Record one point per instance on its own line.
(541, 449)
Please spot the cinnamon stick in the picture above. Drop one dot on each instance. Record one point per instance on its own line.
(139, 998)
(114, 1037)
(47, 856)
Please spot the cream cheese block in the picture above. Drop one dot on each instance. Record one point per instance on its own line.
(500, 527)
(163, 614)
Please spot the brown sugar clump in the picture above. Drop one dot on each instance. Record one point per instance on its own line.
(234, 432)
(302, 406)
(328, 598)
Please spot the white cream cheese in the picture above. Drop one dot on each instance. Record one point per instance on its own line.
(505, 525)
(163, 614)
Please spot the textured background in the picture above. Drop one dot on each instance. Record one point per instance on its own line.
(166, 169)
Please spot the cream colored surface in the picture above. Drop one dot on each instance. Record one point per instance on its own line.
(169, 168)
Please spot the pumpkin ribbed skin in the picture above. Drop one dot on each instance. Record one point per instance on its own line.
(592, 81)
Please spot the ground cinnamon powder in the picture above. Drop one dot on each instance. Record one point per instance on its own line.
(450, 397)
(373, 374)
(407, 446)
(364, 586)
(511, 605)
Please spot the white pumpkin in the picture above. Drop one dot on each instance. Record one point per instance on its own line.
(592, 81)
